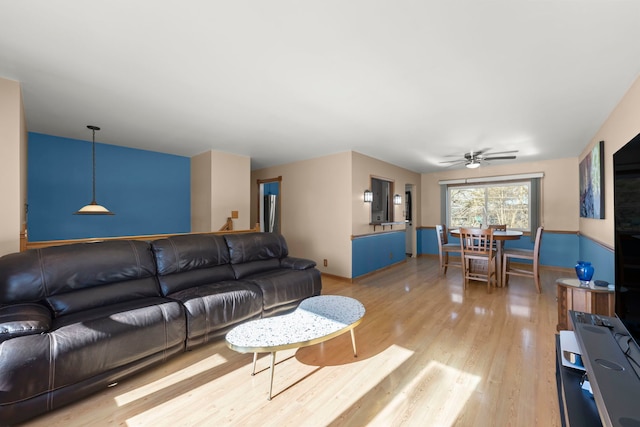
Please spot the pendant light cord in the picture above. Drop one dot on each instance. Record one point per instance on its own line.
(93, 208)
(94, 166)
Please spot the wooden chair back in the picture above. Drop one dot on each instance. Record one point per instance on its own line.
(441, 231)
(538, 242)
(509, 270)
(477, 241)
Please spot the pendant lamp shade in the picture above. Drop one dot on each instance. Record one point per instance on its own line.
(93, 208)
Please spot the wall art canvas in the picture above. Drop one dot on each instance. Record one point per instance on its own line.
(591, 185)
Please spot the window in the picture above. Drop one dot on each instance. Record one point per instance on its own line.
(490, 203)
(382, 205)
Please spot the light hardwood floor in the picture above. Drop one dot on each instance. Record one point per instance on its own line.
(429, 354)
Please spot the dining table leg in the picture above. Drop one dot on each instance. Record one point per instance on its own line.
(499, 247)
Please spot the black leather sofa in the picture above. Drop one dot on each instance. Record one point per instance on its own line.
(76, 318)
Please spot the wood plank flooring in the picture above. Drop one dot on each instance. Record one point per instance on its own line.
(429, 354)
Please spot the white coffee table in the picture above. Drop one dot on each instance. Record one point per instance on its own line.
(317, 319)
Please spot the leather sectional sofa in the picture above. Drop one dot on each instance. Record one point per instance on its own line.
(76, 318)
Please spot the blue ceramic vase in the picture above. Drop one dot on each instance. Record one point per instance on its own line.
(584, 271)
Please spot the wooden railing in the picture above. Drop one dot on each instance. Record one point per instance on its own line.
(228, 226)
(26, 244)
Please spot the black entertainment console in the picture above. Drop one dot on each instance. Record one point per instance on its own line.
(608, 354)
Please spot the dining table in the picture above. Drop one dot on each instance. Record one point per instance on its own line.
(500, 236)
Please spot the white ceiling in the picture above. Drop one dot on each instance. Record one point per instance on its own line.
(407, 82)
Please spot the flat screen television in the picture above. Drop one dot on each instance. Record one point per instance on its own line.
(626, 176)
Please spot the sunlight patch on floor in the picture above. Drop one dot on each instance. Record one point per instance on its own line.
(290, 382)
(383, 364)
(170, 380)
(520, 310)
(457, 298)
(446, 389)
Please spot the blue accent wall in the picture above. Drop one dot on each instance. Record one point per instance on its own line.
(375, 251)
(149, 192)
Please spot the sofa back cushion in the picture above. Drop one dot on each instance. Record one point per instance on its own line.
(78, 277)
(191, 260)
(254, 253)
(248, 269)
(248, 247)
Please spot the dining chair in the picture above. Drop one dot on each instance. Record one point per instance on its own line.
(444, 248)
(477, 245)
(523, 254)
(497, 227)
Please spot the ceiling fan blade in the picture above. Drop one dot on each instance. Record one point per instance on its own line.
(499, 158)
(478, 152)
(462, 162)
(454, 161)
(501, 152)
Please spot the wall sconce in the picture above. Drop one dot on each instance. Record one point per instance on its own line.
(368, 196)
(397, 199)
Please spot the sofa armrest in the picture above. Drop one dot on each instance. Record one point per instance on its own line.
(23, 319)
(297, 263)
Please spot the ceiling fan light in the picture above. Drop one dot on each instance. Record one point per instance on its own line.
(473, 164)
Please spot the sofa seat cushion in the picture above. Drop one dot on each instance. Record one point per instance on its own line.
(283, 289)
(212, 309)
(80, 347)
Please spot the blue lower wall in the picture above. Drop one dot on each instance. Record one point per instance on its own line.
(375, 251)
(149, 192)
(557, 249)
(602, 259)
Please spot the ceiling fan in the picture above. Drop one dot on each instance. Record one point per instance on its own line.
(473, 159)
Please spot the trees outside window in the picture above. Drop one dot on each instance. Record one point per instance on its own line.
(503, 203)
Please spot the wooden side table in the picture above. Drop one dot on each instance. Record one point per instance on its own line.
(589, 299)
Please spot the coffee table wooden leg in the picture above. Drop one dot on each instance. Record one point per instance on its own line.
(273, 365)
(255, 358)
(353, 341)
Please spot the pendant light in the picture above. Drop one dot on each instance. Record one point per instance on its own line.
(93, 208)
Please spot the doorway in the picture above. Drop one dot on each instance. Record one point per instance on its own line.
(409, 215)
(269, 205)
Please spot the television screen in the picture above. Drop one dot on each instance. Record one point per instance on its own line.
(626, 172)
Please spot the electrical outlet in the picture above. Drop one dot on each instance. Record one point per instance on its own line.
(326, 263)
(390, 255)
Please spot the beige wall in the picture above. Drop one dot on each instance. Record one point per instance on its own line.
(316, 203)
(622, 125)
(560, 199)
(201, 193)
(322, 204)
(220, 184)
(364, 168)
(13, 142)
(230, 190)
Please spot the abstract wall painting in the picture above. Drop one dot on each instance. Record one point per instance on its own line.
(591, 183)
